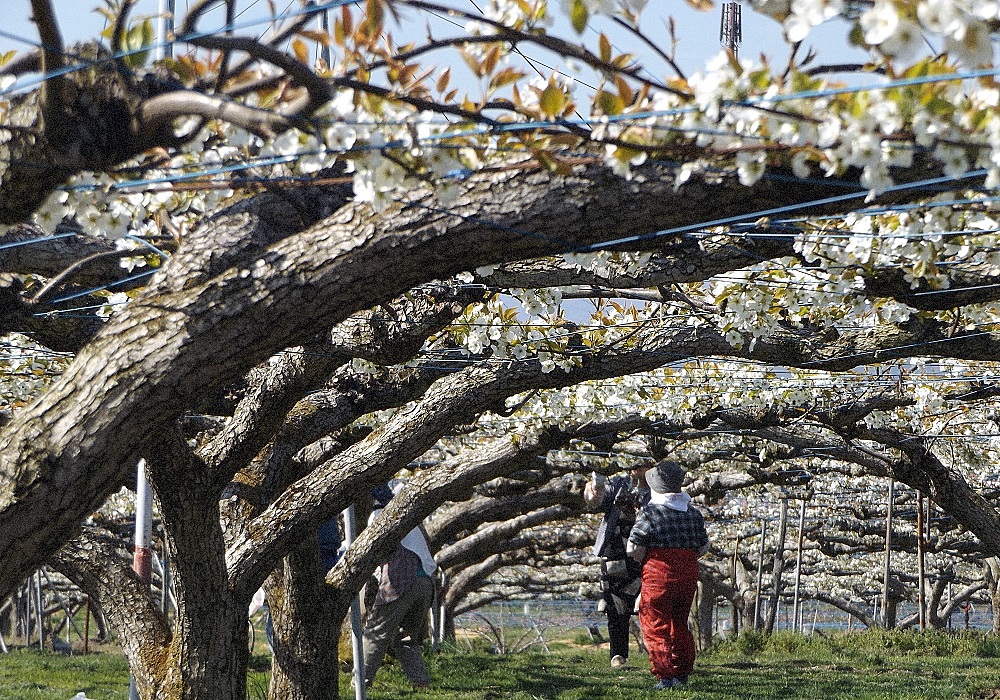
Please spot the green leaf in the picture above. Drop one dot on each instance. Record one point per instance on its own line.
(605, 47)
(552, 100)
(374, 18)
(609, 103)
(939, 106)
(578, 15)
(136, 42)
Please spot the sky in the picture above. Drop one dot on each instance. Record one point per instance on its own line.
(697, 32)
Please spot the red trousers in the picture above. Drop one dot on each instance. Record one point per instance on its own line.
(669, 584)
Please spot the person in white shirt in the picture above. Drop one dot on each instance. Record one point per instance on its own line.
(397, 621)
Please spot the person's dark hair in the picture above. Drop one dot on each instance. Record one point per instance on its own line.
(666, 477)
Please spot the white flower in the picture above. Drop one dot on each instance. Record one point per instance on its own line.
(796, 28)
(953, 158)
(993, 179)
(340, 106)
(52, 212)
(985, 9)
(364, 186)
(807, 14)
(776, 9)
(750, 167)
(897, 156)
(800, 164)
(340, 137)
(971, 43)
(866, 150)
(876, 178)
(621, 167)
(905, 43)
(886, 116)
(938, 16)
(829, 132)
(879, 23)
(925, 129)
(684, 174)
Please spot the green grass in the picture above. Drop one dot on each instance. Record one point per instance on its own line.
(898, 666)
(32, 675)
(869, 666)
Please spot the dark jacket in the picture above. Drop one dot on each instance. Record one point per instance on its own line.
(620, 504)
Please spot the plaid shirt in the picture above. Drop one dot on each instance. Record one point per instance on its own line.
(660, 526)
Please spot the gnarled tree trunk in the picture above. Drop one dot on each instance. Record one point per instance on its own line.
(305, 665)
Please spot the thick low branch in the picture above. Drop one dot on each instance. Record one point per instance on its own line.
(449, 481)
(489, 537)
(203, 323)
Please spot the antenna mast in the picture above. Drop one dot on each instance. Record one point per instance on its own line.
(731, 29)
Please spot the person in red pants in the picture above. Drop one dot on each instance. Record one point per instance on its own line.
(667, 538)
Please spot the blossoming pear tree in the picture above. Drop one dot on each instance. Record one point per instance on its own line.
(308, 275)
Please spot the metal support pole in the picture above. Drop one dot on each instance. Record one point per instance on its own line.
(777, 569)
(358, 650)
(26, 599)
(760, 576)
(443, 609)
(62, 604)
(86, 628)
(325, 54)
(432, 630)
(920, 562)
(888, 554)
(734, 565)
(949, 605)
(39, 609)
(165, 579)
(796, 612)
(142, 559)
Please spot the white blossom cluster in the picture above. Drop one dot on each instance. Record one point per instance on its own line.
(533, 328)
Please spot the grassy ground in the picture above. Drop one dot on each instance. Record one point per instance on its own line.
(869, 666)
(33, 675)
(899, 666)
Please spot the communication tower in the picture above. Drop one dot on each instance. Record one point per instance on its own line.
(731, 29)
